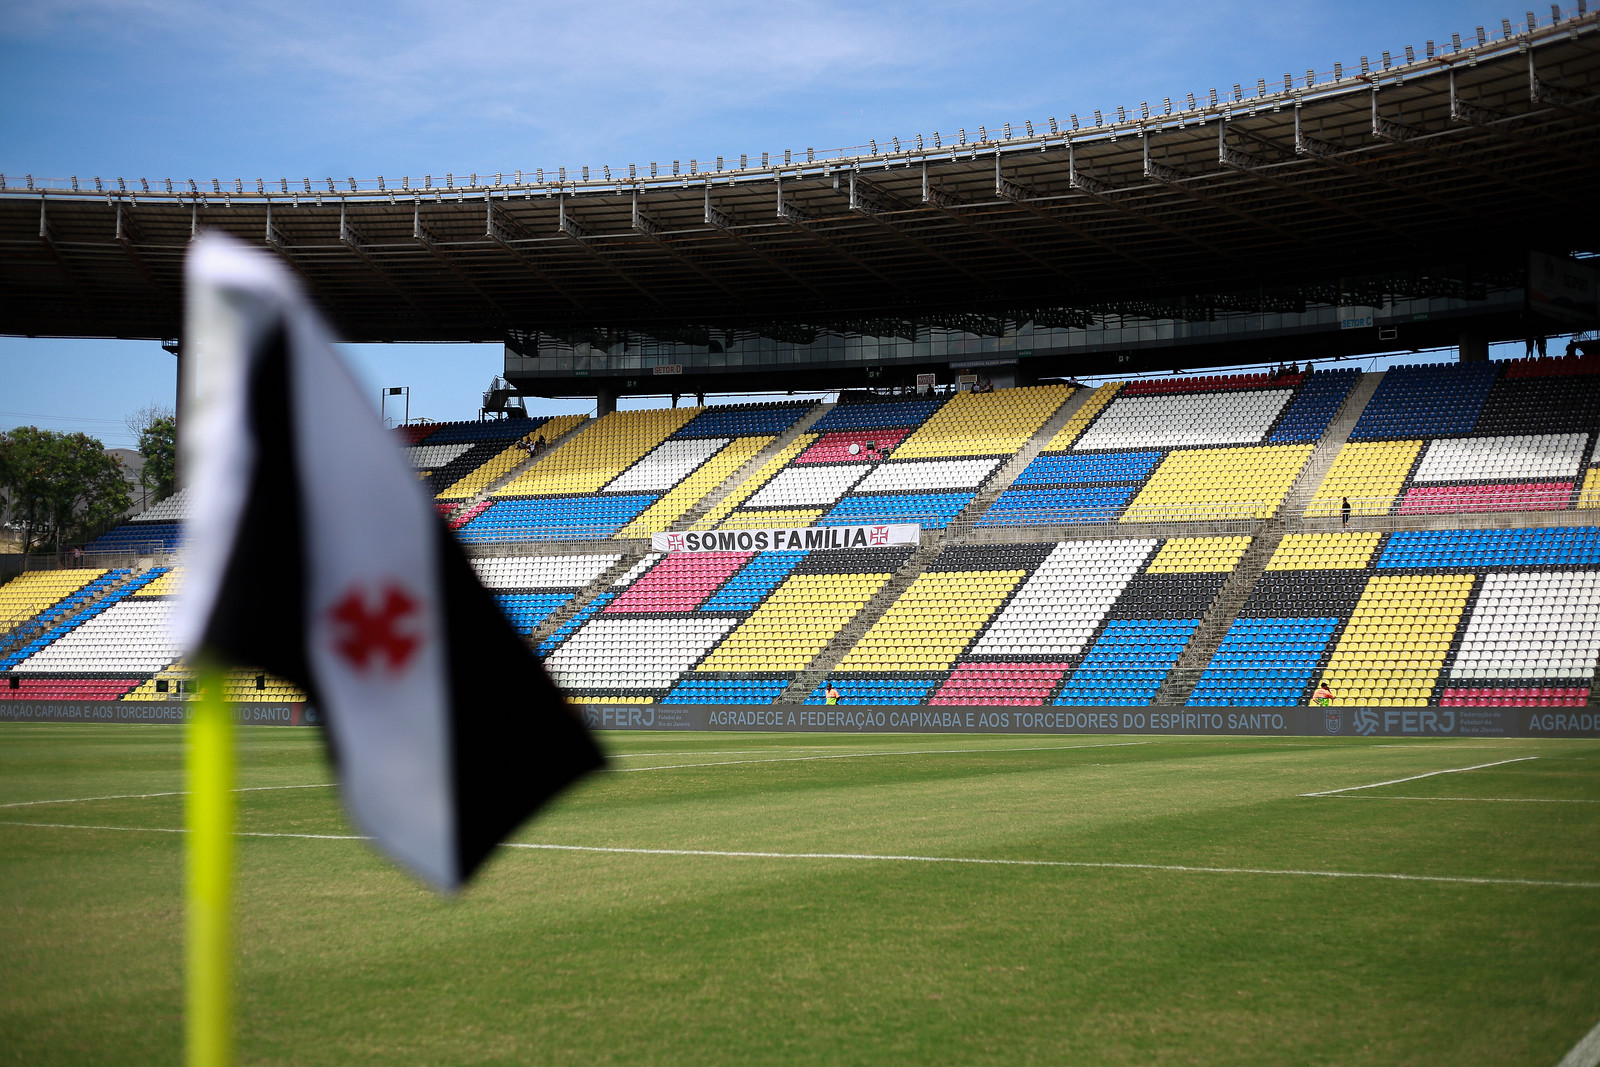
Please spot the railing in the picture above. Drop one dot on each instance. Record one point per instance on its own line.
(1411, 511)
(1294, 92)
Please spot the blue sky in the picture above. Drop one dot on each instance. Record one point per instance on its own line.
(183, 89)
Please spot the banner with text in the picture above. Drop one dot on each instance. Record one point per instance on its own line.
(789, 540)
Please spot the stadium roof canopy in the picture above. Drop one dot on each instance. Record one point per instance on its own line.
(1431, 173)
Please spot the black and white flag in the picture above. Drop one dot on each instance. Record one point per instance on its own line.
(314, 553)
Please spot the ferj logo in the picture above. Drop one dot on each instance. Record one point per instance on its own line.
(1334, 720)
(1366, 722)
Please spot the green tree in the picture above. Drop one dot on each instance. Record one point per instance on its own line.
(59, 486)
(157, 431)
(158, 444)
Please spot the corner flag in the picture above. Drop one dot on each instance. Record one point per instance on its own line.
(314, 553)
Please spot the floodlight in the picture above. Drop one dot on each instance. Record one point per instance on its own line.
(811, 155)
(353, 182)
(1311, 77)
(1144, 108)
(145, 183)
(1386, 59)
(1029, 124)
(1533, 21)
(192, 187)
(1074, 120)
(1411, 55)
(1238, 93)
(216, 186)
(307, 183)
(1097, 116)
(872, 146)
(1008, 131)
(1429, 49)
(1455, 42)
(122, 186)
(694, 166)
(405, 181)
(719, 164)
(1505, 29)
(1366, 68)
(1483, 38)
(787, 157)
(381, 188)
(1053, 127)
(561, 173)
(585, 173)
(1555, 13)
(169, 185)
(1261, 88)
(963, 132)
(604, 169)
(983, 134)
(283, 184)
(1213, 98)
(1338, 70)
(1166, 105)
(633, 171)
(331, 187)
(744, 160)
(1122, 113)
(674, 166)
(936, 142)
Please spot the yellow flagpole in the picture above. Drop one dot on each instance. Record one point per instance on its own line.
(209, 1019)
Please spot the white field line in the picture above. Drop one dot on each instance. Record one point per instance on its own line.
(868, 754)
(147, 796)
(1586, 1053)
(875, 857)
(1416, 777)
(1475, 800)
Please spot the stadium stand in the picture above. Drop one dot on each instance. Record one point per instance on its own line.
(1450, 438)
(844, 447)
(1458, 617)
(630, 473)
(1458, 612)
(41, 595)
(1173, 450)
(1084, 622)
(529, 589)
(737, 625)
(112, 634)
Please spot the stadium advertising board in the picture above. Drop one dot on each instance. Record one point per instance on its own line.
(840, 718)
(785, 539)
(1296, 721)
(153, 712)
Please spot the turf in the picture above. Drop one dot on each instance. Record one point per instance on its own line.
(557, 956)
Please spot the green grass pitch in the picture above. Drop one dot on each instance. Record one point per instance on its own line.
(1175, 914)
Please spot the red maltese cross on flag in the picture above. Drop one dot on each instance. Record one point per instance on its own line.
(376, 637)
